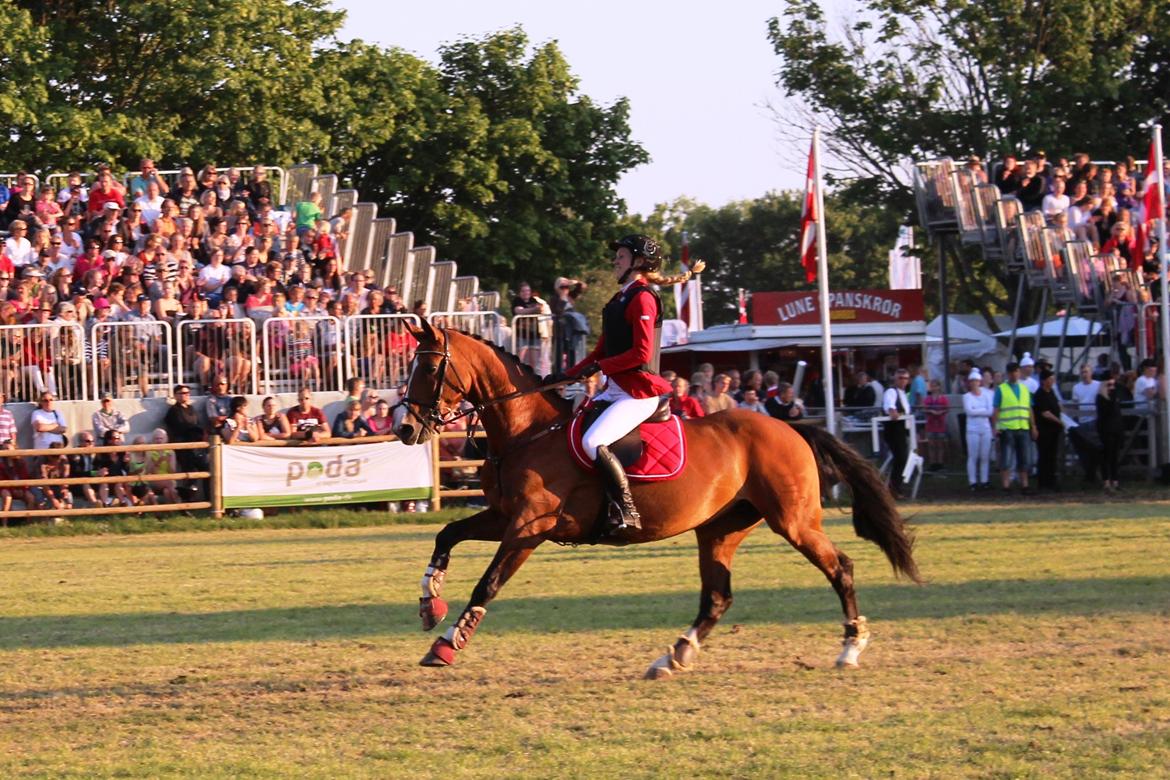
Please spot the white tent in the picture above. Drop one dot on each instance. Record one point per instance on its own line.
(970, 339)
(1078, 328)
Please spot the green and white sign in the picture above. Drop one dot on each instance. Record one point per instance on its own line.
(320, 476)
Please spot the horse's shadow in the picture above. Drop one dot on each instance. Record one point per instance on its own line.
(664, 610)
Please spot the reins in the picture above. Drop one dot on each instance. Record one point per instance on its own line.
(436, 419)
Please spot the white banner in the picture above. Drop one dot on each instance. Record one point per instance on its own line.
(318, 476)
(905, 268)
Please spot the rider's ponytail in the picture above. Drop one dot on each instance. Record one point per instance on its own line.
(656, 278)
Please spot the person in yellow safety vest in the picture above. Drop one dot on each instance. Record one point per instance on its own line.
(1014, 423)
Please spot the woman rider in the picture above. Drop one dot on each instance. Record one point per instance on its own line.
(628, 354)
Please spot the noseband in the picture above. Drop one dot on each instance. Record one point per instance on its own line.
(432, 416)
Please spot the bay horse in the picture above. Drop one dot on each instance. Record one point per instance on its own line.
(743, 468)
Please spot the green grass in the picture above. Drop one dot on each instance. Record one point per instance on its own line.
(79, 525)
(1036, 650)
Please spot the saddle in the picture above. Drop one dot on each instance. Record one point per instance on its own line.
(655, 450)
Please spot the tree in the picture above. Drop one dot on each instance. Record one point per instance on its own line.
(510, 171)
(914, 79)
(753, 244)
(493, 155)
(179, 80)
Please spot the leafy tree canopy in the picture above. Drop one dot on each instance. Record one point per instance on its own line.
(493, 155)
(920, 79)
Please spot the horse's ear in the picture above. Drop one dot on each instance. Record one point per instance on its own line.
(413, 329)
(428, 330)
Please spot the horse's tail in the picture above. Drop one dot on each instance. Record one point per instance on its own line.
(875, 515)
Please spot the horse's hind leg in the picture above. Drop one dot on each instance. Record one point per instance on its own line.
(718, 541)
(805, 534)
(487, 526)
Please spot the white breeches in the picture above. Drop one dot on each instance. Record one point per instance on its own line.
(978, 455)
(624, 415)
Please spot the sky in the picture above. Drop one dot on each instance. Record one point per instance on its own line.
(699, 98)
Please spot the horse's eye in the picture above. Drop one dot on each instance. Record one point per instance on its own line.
(430, 369)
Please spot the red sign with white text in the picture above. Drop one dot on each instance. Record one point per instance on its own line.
(803, 308)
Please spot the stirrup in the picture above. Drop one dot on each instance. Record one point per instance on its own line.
(623, 518)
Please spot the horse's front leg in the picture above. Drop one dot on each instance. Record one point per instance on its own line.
(511, 555)
(486, 526)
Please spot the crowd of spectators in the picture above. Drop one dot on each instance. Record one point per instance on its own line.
(364, 413)
(1105, 205)
(1020, 434)
(214, 246)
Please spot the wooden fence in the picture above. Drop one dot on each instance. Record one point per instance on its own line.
(108, 480)
(214, 474)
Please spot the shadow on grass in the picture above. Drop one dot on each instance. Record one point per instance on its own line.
(1124, 595)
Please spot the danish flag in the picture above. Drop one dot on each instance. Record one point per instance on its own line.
(808, 219)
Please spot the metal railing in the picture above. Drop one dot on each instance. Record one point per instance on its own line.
(532, 340)
(488, 325)
(379, 348)
(132, 355)
(223, 347)
(302, 352)
(43, 356)
(10, 180)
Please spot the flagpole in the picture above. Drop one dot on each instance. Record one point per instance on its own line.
(823, 287)
(1160, 182)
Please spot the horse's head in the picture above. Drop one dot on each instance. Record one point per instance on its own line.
(433, 392)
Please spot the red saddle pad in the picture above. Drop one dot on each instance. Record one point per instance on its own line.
(664, 449)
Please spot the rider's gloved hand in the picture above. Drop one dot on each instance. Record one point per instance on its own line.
(587, 370)
(554, 377)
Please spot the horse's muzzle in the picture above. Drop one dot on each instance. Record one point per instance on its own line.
(409, 433)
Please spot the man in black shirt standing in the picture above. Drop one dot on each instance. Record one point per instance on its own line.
(182, 424)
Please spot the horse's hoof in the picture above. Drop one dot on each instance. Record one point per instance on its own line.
(852, 652)
(661, 669)
(432, 611)
(442, 653)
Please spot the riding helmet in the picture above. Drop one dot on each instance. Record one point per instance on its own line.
(641, 246)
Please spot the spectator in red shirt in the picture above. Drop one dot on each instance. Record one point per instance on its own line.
(681, 403)
(307, 421)
(104, 193)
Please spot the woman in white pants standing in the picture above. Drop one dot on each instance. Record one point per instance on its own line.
(979, 406)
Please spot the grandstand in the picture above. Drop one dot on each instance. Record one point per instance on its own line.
(83, 356)
(1035, 250)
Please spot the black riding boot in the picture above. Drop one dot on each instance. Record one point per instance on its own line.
(623, 515)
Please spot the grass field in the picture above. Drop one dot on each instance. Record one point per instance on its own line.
(1038, 649)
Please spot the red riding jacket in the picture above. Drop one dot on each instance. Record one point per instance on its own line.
(630, 318)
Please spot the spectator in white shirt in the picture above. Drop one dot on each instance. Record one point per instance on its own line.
(151, 203)
(214, 275)
(17, 246)
(1027, 373)
(978, 405)
(1145, 387)
(47, 423)
(878, 392)
(896, 431)
(1084, 395)
(1057, 202)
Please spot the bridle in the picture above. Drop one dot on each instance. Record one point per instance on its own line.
(430, 413)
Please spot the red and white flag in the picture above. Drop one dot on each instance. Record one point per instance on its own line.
(1155, 206)
(688, 296)
(741, 305)
(808, 219)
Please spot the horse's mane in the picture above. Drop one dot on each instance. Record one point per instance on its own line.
(509, 358)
